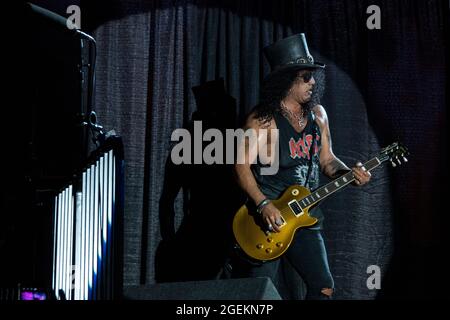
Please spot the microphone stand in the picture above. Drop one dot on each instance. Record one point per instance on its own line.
(87, 71)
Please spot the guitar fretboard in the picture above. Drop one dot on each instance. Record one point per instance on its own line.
(335, 185)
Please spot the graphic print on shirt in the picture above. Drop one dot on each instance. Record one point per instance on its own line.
(302, 170)
(302, 149)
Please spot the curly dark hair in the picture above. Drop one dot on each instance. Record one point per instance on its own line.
(275, 88)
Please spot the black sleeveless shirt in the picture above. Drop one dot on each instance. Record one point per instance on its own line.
(295, 153)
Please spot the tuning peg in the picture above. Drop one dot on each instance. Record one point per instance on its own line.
(393, 164)
(398, 160)
(405, 159)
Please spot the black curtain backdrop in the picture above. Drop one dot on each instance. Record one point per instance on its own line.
(382, 86)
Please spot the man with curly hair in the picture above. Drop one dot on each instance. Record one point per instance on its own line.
(290, 103)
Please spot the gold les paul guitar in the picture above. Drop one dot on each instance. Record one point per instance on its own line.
(259, 243)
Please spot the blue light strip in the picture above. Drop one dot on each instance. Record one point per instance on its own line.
(110, 209)
(95, 231)
(70, 243)
(83, 238)
(78, 237)
(59, 254)
(91, 230)
(88, 242)
(64, 241)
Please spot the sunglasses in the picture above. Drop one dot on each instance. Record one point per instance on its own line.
(306, 76)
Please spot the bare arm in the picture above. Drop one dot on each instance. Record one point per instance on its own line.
(244, 175)
(331, 165)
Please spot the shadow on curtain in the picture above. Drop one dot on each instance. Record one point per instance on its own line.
(151, 53)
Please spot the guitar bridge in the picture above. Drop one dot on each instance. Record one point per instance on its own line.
(295, 207)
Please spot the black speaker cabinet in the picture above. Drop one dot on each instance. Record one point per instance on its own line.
(229, 289)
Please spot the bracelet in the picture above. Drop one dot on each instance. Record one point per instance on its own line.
(261, 205)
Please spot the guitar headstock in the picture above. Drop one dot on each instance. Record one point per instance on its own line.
(396, 153)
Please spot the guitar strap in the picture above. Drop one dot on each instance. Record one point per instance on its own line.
(311, 149)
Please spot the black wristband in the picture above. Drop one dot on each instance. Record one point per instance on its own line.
(262, 204)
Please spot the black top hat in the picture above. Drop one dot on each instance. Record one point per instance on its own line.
(212, 97)
(290, 52)
(209, 91)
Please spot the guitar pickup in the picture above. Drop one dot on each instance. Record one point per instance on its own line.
(295, 207)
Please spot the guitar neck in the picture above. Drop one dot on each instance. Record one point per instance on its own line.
(339, 183)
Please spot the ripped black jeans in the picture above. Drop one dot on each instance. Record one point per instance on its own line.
(308, 256)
